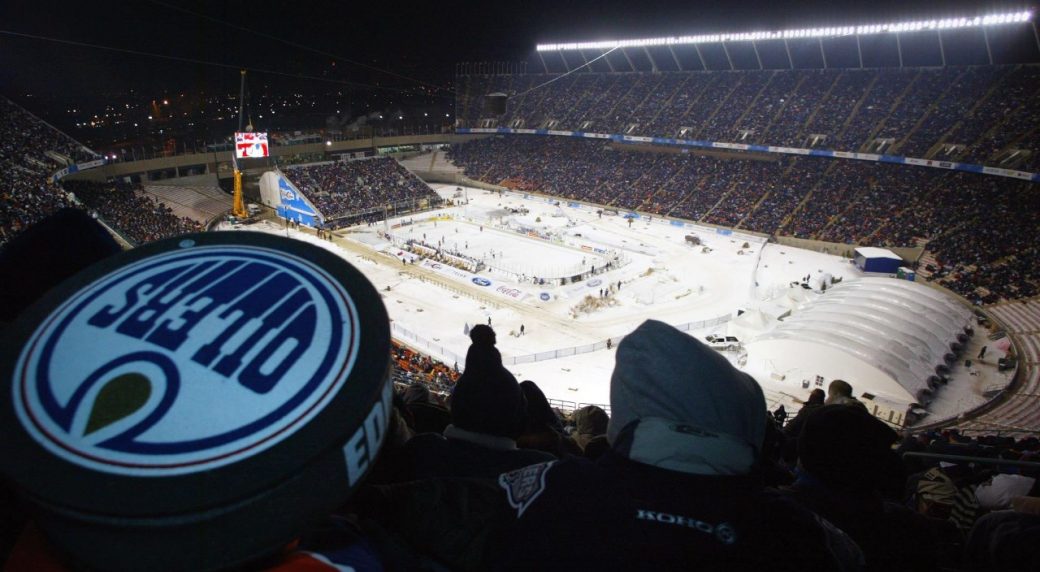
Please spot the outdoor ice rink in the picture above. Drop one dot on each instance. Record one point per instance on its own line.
(655, 274)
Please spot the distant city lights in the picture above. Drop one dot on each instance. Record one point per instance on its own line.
(897, 27)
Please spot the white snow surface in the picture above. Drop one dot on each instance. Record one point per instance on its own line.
(661, 277)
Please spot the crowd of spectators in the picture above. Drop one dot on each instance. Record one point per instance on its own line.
(954, 105)
(515, 484)
(411, 367)
(31, 151)
(346, 188)
(977, 110)
(796, 106)
(28, 193)
(128, 209)
(980, 227)
(1014, 107)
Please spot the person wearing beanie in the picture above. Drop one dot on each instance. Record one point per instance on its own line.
(487, 416)
(482, 353)
(679, 486)
(845, 455)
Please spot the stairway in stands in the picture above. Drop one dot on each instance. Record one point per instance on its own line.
(927, 258)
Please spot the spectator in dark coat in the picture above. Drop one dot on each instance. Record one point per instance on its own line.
(487, 416)
(845, 453)
(426, 416)
(793, 429)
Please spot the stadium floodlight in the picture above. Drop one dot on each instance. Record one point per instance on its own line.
(828, 32)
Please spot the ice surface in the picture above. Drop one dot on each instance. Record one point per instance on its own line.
(661, 277)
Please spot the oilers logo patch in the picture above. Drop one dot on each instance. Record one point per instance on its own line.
(524, 486)
(122, 377)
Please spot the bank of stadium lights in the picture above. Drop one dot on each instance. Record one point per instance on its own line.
(896, 27)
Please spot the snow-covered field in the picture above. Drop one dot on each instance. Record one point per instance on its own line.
(526, 244)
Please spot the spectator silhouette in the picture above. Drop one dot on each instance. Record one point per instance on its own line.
(482, 353)
(845, 455)
(839, 392)
(46, 254)
(487, 416)
(590, 430)
(426, 416)
(543, 430)
(793, 429)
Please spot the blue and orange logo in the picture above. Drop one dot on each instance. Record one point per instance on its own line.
(186, 361)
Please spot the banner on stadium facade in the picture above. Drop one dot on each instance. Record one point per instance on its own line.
(75, 168)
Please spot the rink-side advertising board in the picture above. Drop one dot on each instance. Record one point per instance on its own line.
(490, 285)
(195, 402)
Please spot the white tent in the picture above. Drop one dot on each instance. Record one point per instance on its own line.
(884, 336)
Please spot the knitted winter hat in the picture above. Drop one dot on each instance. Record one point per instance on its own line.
(482, 335)
(677, 404)
(482, 354)
(487, 399)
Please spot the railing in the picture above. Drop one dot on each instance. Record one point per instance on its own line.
(198, 146)
(446, 354)
(571, 406)
(390, 210)
(967, 459)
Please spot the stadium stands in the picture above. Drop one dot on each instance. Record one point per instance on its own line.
(28, 148)
(412, 367)
(138, 215)
(1018, 411)
(684, 472)
(201, 204)
(981, 228)
(28, 194)
(951, 113)
(341, 189)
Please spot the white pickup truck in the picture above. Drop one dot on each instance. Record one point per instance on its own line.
(722, 343)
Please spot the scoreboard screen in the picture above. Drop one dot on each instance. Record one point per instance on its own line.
(251, 145)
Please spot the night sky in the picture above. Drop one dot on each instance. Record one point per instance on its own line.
(421, 40)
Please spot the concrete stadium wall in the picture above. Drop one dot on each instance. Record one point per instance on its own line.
(219, 162)
(207, 180)
(908, 254)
